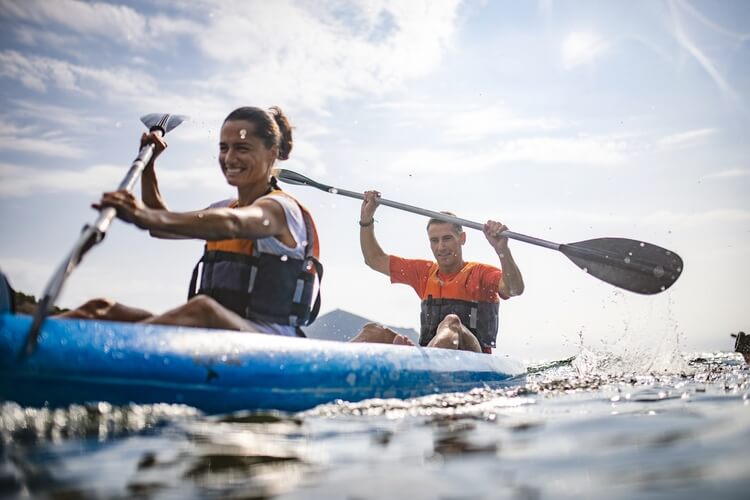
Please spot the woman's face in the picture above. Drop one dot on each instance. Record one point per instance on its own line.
(244, 159)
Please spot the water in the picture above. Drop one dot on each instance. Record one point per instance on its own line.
(586, 427)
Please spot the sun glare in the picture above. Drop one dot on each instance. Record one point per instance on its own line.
(580, 48)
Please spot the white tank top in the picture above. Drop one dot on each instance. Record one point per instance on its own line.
(296, 224)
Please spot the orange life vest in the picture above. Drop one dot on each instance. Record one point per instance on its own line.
(454, 296)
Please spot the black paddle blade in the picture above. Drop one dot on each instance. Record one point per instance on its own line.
(292, 177)
(630, 264)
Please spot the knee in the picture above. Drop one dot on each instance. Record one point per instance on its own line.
(98, 303)
(450, 321)
(203, 304)
(373, 332)
(447, 338)
(97, 307)
(93, 309)
(372, 328)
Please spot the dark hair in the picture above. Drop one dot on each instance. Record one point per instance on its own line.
(271, 126)
(458, 228)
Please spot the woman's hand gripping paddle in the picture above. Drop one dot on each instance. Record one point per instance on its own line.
(94, 233)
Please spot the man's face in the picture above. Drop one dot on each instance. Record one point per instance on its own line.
(446, 246)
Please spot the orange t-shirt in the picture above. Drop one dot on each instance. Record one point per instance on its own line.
(481, 286)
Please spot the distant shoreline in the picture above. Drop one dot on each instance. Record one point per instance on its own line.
(28, 304)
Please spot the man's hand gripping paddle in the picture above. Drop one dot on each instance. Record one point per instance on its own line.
(629, 264)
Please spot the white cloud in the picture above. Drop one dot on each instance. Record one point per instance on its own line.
(684, 39)
(322, 50)
(582, 48)
(686, 139)
(466, 124)
(118, 22)
(668, 219)
(23, 181)
(32, 140)
(731, 173)
(494, 120)
(549, 150)
(71, 119)
(37, 72)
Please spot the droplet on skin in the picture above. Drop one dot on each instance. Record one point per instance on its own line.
(200, 215)
(266, 222)
(243, 133)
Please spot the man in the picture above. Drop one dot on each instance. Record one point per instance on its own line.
(460, 300)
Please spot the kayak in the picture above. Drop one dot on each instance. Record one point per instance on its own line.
(84, 361)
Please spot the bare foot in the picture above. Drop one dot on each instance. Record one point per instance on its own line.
(402, 340)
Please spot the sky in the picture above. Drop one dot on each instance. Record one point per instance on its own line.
(566, 120)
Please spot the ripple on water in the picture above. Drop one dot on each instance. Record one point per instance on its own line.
(565, 431)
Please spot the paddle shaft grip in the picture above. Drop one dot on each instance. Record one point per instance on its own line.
(446, 218)
(108, 214)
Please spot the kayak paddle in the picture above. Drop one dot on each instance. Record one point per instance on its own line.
(93, 234)
(629, 264)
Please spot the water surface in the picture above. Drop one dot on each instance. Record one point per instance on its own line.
(586, 427)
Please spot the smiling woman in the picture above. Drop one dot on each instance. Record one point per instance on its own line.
(260, 270)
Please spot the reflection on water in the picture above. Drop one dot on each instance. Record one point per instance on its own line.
(576, 428)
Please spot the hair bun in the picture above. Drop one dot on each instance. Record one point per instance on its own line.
(285, 144)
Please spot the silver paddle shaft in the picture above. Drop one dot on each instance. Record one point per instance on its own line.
(91, 235)
(446, 218)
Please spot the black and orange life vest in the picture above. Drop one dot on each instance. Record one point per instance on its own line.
(262, 286)
(453, 296)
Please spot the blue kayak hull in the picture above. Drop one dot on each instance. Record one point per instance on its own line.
(81, 361)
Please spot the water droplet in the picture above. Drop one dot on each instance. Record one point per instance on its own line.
(627, 260)
(642, 244)
(200, 215)
(266, 222)
(658, 271)
(333, 191)
(284, 258)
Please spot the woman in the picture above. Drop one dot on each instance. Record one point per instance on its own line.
(260, 269)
